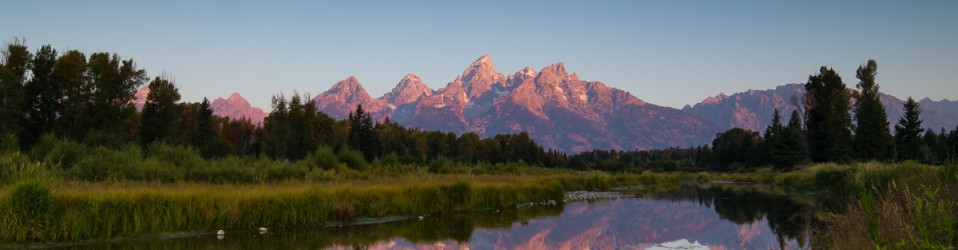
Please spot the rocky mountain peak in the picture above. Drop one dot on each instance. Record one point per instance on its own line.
(408, 90)
(139, 98)
(480, 76)
(553, 73)
(349, 89)
(236, 107)
(236, 97)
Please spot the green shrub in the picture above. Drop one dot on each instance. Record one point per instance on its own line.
(323, 158)
(107, 164)
(353, 159)
(66, 153)
(185, 157)
(62, 152)
(43, 146)
(440, 165)
(155, 170)
(103, 139)
(836, 180)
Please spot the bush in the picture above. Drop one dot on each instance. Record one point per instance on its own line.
(836, 180)
(107, 164)
(43, 146)
(323, 158)
(53, 150)
(66, 153)
(154, 170)
(440, 165)
(103, 139)
(353, 159)
(185, 157)
(9, 142)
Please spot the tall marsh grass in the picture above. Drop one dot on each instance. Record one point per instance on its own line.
(81, 210)
(899, 207)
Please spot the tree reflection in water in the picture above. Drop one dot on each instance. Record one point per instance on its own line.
(718, 215)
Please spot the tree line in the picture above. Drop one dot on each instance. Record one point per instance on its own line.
(821, 129)
(87, 99)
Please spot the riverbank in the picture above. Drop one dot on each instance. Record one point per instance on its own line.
(78, 210)
(82, 210)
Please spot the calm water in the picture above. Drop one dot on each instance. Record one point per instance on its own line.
(721, 216)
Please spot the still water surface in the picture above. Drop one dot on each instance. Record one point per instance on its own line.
(720, 216)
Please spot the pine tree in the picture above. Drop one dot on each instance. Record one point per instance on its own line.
(361, 134)
(793, 138)
(158, 122)
(276, 129)
(828, 125)
(908, 131)
(873, 141)
(785, 143)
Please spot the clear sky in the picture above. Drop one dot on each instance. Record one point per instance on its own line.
(670, 53)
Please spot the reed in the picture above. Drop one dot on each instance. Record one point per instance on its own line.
(85, 210)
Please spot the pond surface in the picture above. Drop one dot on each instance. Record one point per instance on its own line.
(720, 216)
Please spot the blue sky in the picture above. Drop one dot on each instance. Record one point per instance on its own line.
(670, 53)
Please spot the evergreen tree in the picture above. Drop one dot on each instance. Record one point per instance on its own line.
(361, 134)
(158, 122)
(780, 142)
(792, 141)
(908, 131)
(828, 125)
(205, 137)
(873, 141)
(276, 129)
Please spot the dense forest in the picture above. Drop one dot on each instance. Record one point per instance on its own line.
(60, 107)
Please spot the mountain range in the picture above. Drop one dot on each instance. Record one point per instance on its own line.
(235, 107)
(563, 112)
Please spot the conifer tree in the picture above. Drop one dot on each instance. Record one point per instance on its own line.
(873, 141)
(908, 131)
(361, 134)
(828, 125)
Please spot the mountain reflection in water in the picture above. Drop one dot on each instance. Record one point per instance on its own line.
(720, 216)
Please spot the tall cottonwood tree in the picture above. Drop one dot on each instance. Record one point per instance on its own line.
(160, 112)
(43, 95)
(113, 82)
(69, 72)
(16, 61)
(908, 131)
(828, 122)
(873, 140)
